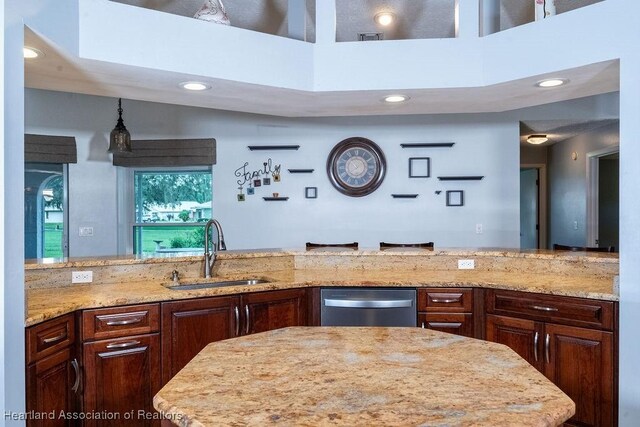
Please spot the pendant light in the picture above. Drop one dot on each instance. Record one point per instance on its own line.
(120, 139)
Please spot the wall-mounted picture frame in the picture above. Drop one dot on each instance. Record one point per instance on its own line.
(311, 192)
(257, 182)
(455, 198)
(419, 167)
(266, 181)
(241, 197)
(251, 191)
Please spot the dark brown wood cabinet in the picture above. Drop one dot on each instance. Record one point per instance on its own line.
(123, 372)
(53, 377)
(188, 326)
(265, 311)
(446, 310)
(579, 360)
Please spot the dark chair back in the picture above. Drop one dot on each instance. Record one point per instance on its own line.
(557, 247)
(427, 245)
(311, 245)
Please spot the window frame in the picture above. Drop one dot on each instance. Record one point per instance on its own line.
(127, 204)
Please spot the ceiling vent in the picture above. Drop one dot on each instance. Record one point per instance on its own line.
(365, 37)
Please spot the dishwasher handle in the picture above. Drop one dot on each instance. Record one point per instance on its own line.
(354, 303)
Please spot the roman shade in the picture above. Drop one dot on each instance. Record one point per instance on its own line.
(168, 152)
(50, 149)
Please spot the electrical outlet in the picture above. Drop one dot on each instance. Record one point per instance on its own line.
(466, 264)
(478, 228)
(85, 231)
(575, 225)
(82, 276)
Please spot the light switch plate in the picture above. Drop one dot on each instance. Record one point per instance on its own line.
(85, 231)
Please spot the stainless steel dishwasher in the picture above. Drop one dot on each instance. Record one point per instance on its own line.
(368, 307)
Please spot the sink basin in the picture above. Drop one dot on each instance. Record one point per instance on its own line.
(222, 284)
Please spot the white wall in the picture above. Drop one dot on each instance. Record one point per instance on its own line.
(485, 145)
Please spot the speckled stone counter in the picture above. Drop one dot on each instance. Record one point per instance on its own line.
(130, 281)
(360, 376)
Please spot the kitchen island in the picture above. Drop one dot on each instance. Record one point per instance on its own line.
(360, 376)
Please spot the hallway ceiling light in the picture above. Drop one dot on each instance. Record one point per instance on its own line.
(537, 139)
(552, 82)
(384, 18)
(195, 86)
(31, 52)
(393, 99)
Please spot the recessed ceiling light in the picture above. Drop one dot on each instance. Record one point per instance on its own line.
(384, 18)
(196, 86)
(396, 98)
(31, 52)
(552, 82)
(537, 139)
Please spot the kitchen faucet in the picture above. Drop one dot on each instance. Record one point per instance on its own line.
(218, 245)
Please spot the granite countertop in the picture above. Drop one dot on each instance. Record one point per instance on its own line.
(47, 303)
(360, 376)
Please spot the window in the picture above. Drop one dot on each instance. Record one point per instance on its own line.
(45, 210)
(171, 208)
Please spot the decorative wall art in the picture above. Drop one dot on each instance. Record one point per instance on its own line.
(419, 167)
(455, 198)
(213, 11)
(311, 192)
(257, 178)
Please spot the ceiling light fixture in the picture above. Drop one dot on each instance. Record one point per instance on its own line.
(31, 52)
(120, 138)
(194, 86)
(384, 18)
(537, 139)
(393, 99)
(552, 82)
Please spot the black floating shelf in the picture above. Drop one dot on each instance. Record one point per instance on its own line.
(404, 196)
(460, 178)
(275, 199)
(273, 147)
(427, 144)
(300, 170)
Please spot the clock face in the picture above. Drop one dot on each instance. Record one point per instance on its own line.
(356, 167)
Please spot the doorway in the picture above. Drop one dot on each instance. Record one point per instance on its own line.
(603, 198)
(529, 208)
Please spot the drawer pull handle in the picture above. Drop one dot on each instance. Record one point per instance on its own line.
(76, 368)
(123, 344)
(543, 308)
(246, 319)
(422, 325)
(445, 324)
(445, 300)
(124, 322)
(535, 346)
(55, 339)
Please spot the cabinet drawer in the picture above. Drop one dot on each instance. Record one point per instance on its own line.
(453, 323)
(559, 309)
(49, 337)
(453, 300)
(120, 321)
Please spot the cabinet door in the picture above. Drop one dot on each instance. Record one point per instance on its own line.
(453, 323)
(51, 386)
(580, 363)
(188, 326)
(521, 335)
(265, 311)
(122, 375)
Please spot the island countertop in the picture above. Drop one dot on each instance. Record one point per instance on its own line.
(360, 376)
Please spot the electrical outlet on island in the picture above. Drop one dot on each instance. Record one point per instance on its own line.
(466, 264)
(82, 276)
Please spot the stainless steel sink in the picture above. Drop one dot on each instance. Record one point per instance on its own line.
(222, 284)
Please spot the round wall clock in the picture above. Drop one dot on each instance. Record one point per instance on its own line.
(356, 166)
